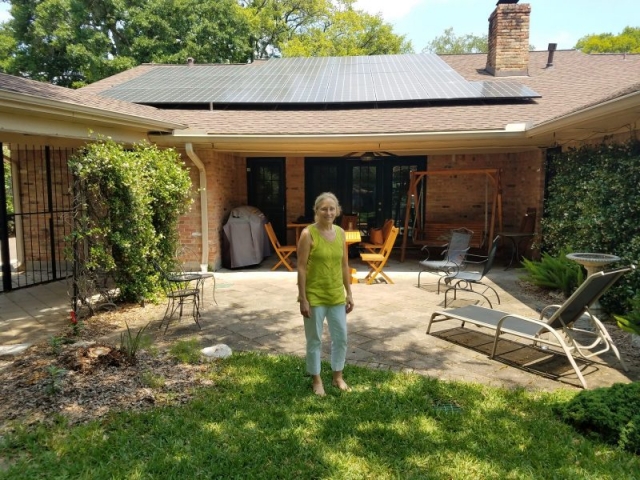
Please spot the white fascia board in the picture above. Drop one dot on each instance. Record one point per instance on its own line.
(343, 138)
(594, 112)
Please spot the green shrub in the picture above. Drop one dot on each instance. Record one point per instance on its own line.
(556, 273)
(631, 321)
(592, 205)
(609, 414)
(129, 201)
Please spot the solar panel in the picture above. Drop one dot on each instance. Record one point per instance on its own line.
(322, 80)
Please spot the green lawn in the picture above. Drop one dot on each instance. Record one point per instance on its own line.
(260, 420)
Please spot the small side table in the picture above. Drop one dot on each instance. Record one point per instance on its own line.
(516, 238)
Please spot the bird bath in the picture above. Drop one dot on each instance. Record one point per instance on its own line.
(593, 263)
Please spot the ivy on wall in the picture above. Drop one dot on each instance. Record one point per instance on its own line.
(130, 200)
(593, 205)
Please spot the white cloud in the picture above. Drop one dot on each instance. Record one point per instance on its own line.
(390, 9)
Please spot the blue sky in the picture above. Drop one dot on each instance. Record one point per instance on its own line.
(552, 21)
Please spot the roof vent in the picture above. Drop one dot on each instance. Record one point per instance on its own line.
(552, 49)
(190, 61)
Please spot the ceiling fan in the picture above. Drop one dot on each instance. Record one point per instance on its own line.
(368, 156)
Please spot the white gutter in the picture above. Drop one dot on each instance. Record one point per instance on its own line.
(204, 211)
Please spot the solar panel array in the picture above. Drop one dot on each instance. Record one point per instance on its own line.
(316, 80)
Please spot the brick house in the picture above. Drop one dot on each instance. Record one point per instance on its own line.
(278, 156)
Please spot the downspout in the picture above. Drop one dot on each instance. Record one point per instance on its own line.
(204, 263)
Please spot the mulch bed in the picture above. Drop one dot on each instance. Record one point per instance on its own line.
(87, 379)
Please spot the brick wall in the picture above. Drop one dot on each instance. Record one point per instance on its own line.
(295, 192)
(509, 40)
(226, 189)
(459, 198)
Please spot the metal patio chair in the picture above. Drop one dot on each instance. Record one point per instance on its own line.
(465, 280)
(454, 256)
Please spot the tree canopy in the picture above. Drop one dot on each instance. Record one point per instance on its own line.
(345, 31)
(76, 42)
(628, 41)
(72, 42)
(450, 43)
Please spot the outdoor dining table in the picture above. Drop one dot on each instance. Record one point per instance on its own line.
(515, 238)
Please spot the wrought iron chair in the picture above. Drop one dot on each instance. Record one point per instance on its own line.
(180, 289)
(454, 256)
(465, 280)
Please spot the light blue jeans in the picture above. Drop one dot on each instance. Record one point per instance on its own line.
(337, 321)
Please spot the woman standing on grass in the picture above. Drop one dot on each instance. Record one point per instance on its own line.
(323, 279)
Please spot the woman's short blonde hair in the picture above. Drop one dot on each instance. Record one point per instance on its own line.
(327, 196)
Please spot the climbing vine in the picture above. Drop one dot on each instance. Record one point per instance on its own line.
(128, 202)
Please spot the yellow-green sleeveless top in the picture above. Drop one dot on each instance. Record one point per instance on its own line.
(324, 269)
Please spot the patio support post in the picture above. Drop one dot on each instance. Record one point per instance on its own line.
(204, 210)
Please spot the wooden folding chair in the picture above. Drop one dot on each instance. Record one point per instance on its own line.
(377, 261)
(371, 247)
(283, 252)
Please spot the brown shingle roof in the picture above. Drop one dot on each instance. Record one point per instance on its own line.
(574, 82)
(82, 98)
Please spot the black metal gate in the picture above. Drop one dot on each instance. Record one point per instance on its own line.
(35, 215)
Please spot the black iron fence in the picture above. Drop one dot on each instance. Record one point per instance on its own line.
(36, 214)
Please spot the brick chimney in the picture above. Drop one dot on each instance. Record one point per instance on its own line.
(509, 39)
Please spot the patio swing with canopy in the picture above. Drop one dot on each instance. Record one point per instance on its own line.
(431, 233)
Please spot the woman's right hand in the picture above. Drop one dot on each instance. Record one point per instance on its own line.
(305, 309)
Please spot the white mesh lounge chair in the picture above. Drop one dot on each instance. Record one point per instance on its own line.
(454, 256)
(559, 327)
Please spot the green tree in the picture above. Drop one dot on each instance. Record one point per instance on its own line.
(628, 41)
(319, 28)
(450, 43)
(74, 42)
(347, 32)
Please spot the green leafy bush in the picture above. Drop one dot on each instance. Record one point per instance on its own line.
(592, 206)
(556, 273)
(129, 201)
(631, 321)
(609, 414)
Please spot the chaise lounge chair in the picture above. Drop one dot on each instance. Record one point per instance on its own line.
(560, 323)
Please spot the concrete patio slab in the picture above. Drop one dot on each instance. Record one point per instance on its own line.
(257, 310)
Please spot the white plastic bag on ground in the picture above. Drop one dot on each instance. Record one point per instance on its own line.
(217, 351)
